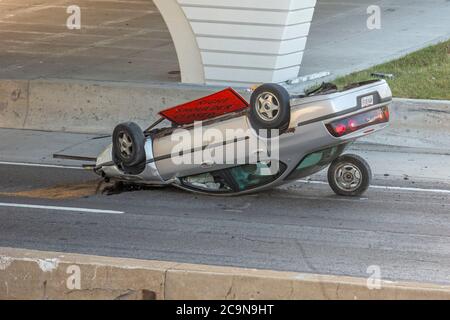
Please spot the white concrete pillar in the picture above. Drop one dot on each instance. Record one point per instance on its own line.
(238, 42)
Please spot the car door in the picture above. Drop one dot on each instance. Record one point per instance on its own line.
(191, 151)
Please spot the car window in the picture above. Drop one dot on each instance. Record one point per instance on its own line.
(235, 179)
(210, 182)
(315, 162)
(254, 175)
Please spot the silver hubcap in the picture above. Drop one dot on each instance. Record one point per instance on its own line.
(267, 106)
(348, 177)
(126, 145)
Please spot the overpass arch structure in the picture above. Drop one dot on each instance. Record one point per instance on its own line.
(238, 42)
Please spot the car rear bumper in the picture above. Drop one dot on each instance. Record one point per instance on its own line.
(334, 105)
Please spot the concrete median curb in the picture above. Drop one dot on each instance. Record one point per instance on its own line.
(417, 124)
(96, 107)
(27, 274)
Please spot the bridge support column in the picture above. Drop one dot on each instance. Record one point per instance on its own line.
(238, 42)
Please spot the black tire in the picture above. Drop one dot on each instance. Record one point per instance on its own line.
(262, 115)
(131, 153)
(340, 179)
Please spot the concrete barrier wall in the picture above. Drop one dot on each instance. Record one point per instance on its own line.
(87, 107)
(96, 107)
(27, 274)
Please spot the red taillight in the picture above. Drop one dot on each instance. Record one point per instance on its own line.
(386, 113)
(340, 128)
(217, 104)
(358, 121)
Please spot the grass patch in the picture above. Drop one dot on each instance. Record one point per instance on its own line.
(424, 74)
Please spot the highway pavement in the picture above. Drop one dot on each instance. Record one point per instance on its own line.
(402, 225)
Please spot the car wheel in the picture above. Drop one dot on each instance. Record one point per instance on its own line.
(349, 175)
(128, 145)
(270, 107)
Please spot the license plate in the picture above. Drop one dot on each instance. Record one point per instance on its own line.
(367, 101)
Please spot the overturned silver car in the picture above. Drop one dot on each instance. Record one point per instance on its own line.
(223, 145)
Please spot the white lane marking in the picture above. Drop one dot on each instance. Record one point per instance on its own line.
(388, 187)
(411, 189)
(72, 209)
(24, 164)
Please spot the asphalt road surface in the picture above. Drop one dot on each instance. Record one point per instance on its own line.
(304, 227)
